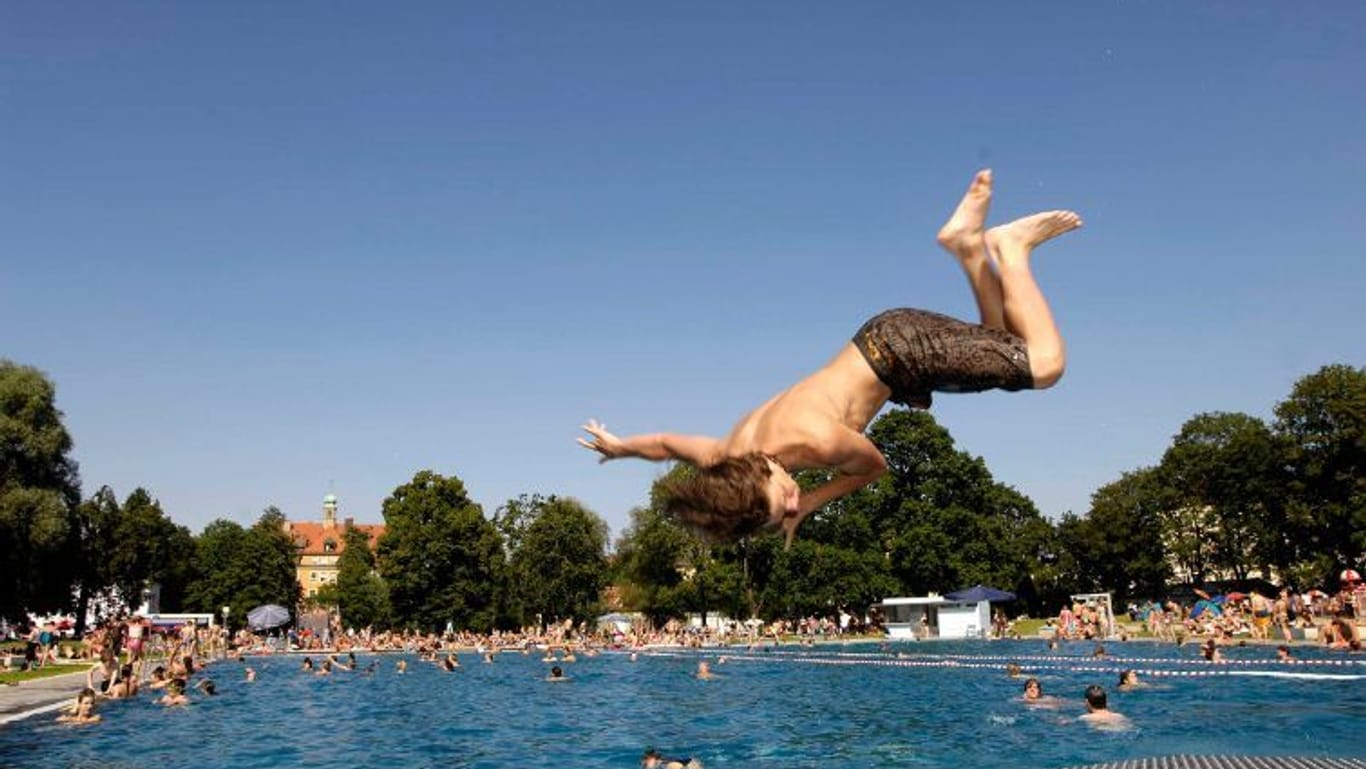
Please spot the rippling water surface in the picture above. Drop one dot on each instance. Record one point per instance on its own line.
(936, 705)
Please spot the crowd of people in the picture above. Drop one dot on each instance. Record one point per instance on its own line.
(1287, 616)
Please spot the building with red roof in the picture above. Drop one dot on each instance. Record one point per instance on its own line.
(320, 545)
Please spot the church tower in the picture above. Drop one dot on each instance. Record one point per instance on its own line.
(330, 512)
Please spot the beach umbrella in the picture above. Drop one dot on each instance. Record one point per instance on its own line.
(979, 593)
(1202, 607)
(267, 617)
(1349, 576)
(1236, 596)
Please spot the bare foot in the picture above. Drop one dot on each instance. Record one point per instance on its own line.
(962, 233)
(1021, 236)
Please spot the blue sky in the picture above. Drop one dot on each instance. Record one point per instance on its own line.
(270, 250)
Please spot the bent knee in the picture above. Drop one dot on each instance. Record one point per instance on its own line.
(1046, 369)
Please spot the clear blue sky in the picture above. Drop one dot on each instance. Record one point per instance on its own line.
(270, 249)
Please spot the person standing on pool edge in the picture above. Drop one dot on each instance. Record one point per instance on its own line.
(743, 482)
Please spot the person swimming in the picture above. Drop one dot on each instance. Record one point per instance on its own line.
(1098, 713)
(82, 711)
(653, 759)
(1033, 695)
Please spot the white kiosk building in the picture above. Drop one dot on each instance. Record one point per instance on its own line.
(934, 616)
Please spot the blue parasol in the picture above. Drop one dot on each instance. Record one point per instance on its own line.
(979, 593)
(267, 616)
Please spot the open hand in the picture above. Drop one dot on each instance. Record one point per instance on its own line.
(605, 443)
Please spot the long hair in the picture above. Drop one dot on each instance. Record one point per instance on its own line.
(723, 502)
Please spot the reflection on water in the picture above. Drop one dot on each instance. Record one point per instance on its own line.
(833, 706)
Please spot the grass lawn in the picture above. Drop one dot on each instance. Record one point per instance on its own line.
(15, 676)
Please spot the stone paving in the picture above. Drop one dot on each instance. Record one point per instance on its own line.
(40, 695)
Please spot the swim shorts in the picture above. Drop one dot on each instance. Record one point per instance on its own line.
(916, 352)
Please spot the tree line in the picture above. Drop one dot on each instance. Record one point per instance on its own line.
(1231, 496)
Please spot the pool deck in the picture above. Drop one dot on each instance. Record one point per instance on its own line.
(41, 695)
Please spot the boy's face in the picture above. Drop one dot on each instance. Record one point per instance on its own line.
(784, 496)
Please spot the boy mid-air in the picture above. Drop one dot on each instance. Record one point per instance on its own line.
(743, 482)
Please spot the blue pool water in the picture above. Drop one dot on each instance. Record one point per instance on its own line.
(940, 705)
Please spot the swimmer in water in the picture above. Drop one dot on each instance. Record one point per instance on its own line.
(82, 711)
(654, 760)
(1098, 713)
(175, 693)
(1128, 680)
(704, 671)
(742, 483)
(556, 675)
(1033, 695)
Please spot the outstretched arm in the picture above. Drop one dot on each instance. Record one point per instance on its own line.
(696, 449)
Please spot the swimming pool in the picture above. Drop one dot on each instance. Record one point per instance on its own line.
(941, 704)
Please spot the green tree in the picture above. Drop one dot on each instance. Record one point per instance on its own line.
(1118, 545)
(940, 518)
(1323, 427)
(243, 568)
(97, 522)
(274, 559)
(559, 566)
(39, 493)
(816, 579)
(649, 554)
(362, 597)
(1222, 470)
(441, 558)
(715, 581)
(222, 570)
(149, 549)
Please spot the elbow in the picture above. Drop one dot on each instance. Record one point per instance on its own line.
(877, 468)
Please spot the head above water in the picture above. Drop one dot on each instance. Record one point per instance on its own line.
(1095, 697)
(734, 498)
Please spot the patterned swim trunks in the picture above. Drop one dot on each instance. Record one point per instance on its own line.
(916, 352)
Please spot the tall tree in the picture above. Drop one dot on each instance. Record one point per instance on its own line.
(362, 596)
(559, 566)
(222, 570)
(649, 554)
(1323, 424)
(1222, 469)
(1118, 545)
(39, 492)
(149, 549)
(440, 556)
(242, 568)
(274, 559)
(939, 516)
(97, 522)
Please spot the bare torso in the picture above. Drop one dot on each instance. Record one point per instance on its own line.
(801, 425)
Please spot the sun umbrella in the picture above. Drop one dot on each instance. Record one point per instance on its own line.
(267, 616)
(1203, 607)
(1235, 596)
(1349, 575)
(979, 593)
